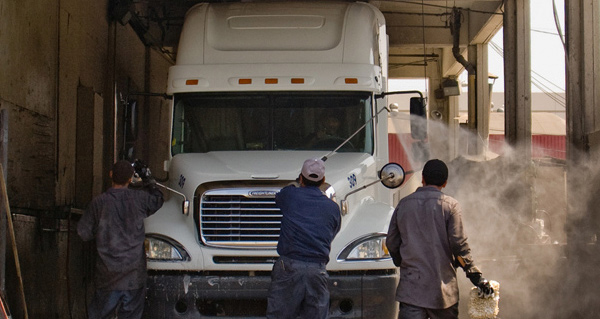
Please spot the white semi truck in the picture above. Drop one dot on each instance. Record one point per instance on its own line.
(259, 87)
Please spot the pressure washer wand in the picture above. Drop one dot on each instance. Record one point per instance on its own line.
(324, 158)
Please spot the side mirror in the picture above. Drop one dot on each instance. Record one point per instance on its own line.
(185, 207)
(392, 175)
(418, 118)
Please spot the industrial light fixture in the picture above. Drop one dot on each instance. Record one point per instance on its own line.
(450, 87)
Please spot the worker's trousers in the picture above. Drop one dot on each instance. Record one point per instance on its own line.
(122, 304)
(413, 312)
(298, 290)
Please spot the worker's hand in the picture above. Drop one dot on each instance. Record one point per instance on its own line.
(142, 171)
(149, 180)
(485, 289)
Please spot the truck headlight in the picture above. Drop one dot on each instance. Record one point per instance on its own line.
(369, 247)
(161, 248)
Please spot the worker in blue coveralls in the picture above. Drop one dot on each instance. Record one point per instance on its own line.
(310, 222)
(115, 219)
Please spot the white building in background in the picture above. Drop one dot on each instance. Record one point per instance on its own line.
(540, 102)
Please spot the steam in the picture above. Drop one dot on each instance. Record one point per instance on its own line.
(521, 231)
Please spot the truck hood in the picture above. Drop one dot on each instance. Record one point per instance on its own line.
(261, 165)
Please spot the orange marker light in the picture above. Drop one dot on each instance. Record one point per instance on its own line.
(271, 81)
(351, 81)
(245, 81)
(191, 82)
(297, 81)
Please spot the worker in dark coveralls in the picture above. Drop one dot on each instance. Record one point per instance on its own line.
(427, 241)
(115, 219)
(310, 222)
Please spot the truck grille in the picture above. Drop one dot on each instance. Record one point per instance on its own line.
(240, 218)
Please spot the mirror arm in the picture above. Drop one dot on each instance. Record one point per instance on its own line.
(379, 96)
(367, 185)
(390, 170)
(185, 200)
(165, 96)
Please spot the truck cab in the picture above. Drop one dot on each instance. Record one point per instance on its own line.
(257, 89)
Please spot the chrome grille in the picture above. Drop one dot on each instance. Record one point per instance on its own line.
(240, 218)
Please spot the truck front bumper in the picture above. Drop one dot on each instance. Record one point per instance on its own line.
(354, 294)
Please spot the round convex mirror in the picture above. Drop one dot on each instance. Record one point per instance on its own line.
(392, 175)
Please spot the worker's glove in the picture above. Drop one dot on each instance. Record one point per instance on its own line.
(484, 287)
(142, 172)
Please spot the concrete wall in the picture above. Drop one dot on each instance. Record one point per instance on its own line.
(28, 64)
(61, 63)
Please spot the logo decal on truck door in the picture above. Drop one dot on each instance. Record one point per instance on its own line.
(181, 181)
(352, 180)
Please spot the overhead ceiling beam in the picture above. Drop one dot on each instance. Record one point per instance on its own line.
(410, 24)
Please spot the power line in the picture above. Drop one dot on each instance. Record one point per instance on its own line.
(543, 78)
(559, 99)
(500, 52)
(545, 32)
(549, 92)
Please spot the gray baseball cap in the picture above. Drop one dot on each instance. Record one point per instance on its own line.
(313, 169)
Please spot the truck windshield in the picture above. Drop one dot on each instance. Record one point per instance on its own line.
(205, 122)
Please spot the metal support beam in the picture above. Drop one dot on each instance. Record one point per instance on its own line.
(517, 81)
(583, 115)
(453, 128)
(479, 109)
(517, 93)
(582, 23)
(583, 86)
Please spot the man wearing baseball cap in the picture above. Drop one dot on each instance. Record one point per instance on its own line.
(310, 222)
(427, 241)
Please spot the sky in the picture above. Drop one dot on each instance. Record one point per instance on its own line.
(547, 52)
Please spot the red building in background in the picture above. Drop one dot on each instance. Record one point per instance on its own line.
(548, 135)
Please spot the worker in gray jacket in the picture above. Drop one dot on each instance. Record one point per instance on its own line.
(115, 219)
(427, 241)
